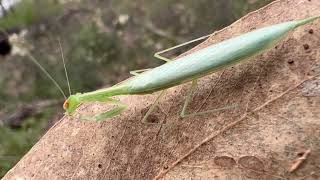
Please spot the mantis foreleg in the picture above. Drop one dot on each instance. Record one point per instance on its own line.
(190, 94)
(109, 114)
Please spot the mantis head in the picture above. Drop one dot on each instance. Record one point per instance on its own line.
(71, 104)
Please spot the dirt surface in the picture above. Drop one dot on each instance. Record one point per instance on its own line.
(276, 122)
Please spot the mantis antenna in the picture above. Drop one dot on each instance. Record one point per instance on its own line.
(64, 66)
(34, 60)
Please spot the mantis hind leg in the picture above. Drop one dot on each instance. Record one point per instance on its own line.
(189, 97)
(109, 114)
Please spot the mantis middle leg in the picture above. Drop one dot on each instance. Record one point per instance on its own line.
(144, 119)
(158, 56)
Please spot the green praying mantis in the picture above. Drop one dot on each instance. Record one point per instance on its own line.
(185, 69)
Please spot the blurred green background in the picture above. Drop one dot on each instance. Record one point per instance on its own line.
(102, 41)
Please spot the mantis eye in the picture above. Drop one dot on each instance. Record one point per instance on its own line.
(66, 105)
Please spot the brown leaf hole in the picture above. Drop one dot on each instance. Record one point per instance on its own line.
(251, 162)
(225, 161)
(152, 118)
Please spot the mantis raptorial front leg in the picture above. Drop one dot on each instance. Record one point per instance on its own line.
(111, 113)
(189, 97)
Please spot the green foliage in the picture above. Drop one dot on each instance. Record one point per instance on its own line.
(89, 53)
(188, 17)
(14, 143)
(28, 12)
(88, 50)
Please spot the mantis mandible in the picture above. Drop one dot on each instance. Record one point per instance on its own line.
(185, 69)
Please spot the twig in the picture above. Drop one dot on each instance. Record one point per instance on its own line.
(72, 12)
(194, 166)
(15, 119)
(297, 163)
(152, 28)
(229, 126)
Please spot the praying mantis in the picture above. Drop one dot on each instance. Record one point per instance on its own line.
(185, 69)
